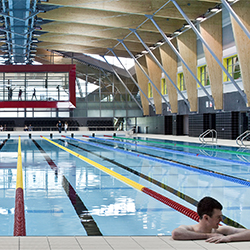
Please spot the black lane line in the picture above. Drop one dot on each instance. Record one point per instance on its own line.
(2, 144)
(181, 195)
(86, 219)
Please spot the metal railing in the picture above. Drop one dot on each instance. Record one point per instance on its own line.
(213, 133)
(240, 139)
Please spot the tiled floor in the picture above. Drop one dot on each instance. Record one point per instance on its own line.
(117, 243)
(111, 243)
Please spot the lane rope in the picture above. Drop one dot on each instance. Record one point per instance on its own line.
(19, 216)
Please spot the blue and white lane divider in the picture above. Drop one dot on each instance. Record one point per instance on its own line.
(194, 169)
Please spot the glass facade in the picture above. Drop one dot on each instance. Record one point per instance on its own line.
(34, 86)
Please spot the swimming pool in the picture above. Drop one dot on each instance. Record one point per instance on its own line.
(66, 195)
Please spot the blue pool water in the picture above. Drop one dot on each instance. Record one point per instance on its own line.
(73, 197)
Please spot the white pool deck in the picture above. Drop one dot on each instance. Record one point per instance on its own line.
(109, 242)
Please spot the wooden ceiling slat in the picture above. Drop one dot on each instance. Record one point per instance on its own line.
(95, 25)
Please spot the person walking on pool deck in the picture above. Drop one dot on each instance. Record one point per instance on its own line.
(210, 215)
(59, 126)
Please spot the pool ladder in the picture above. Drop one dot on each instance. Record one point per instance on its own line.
(244, 136)
(213, 133)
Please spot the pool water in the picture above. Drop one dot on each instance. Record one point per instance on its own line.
(65, 195)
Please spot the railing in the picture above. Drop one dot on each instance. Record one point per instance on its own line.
(213, 133)
(240, 139)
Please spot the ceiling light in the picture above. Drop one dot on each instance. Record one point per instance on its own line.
(159, 43)
(177, 32)
(186, 25)
(214, 9)
(200, 18)
(144, 52)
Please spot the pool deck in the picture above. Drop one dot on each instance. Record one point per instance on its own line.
(113, 242)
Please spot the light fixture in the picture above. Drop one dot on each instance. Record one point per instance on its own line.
(159, 43)
(186, 26)
(144, 52)
(177, 32)
(34, 40)
(200, 18)
(213, 10)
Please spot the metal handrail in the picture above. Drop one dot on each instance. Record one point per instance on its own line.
(213, 132)
(240, 139)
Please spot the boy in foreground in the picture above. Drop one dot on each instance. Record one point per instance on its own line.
(209, 211)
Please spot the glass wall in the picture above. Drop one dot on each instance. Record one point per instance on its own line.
(34, 86)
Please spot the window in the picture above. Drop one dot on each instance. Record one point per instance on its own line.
(164, 90)
(203, 75)
(233, 67)
(181, 82)
(150, 92)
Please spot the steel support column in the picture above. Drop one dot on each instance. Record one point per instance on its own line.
(235, 16)
(210, 50)
(119, 78)
(180, 57)
(139, 65)
(132, 78)
(159, 64)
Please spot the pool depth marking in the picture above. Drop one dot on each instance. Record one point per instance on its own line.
(178, 207)
(186, 146)
(19, 220)
(89, 225)
(175, 192)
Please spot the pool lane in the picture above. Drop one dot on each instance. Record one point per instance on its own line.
(173, 163)
(178, 207)
(48, 210)
(179, 194)
(85, 217)
(186, 146)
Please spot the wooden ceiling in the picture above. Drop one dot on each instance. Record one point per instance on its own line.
(93, 26)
